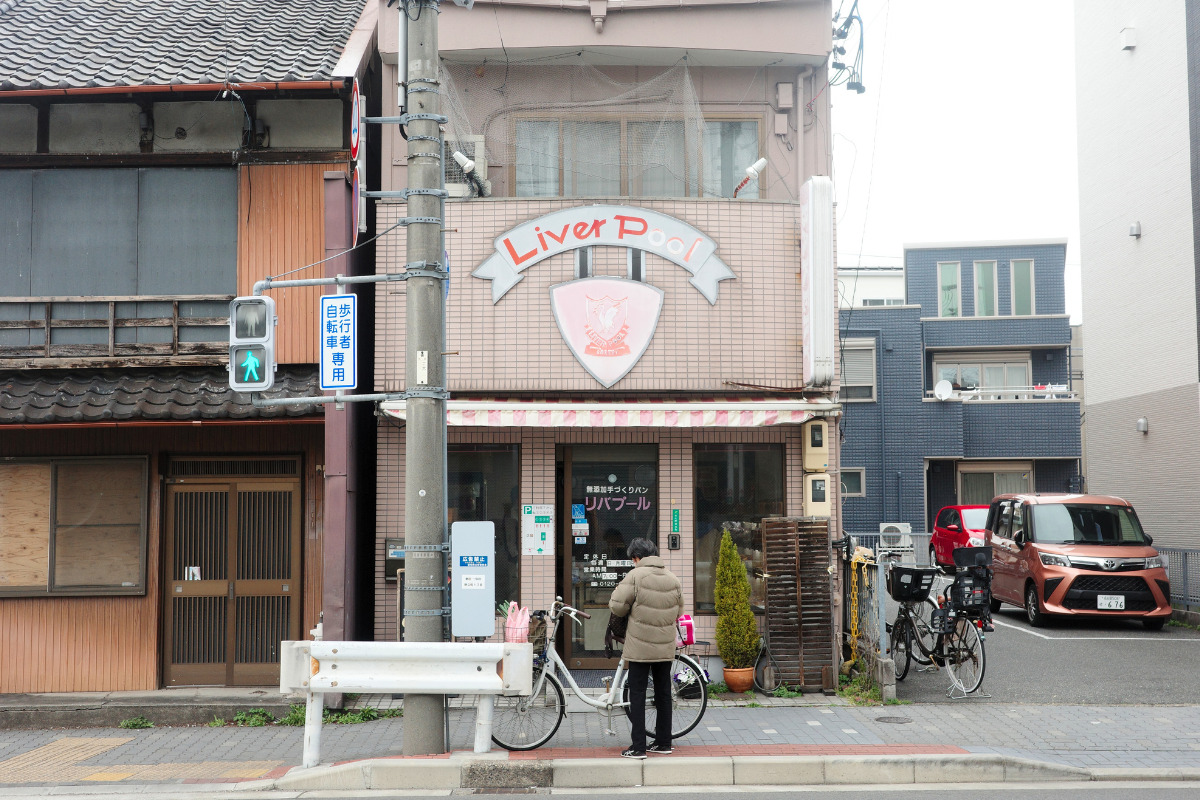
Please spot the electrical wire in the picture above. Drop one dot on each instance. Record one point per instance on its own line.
(336, 255)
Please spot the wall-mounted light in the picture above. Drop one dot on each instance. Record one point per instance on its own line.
(1128, 38)
(752, 173)
(1135, 230)
(1143, 425)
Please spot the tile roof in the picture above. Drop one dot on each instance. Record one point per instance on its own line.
(49, 44)
(181, 393)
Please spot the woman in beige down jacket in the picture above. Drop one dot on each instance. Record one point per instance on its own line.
(652, 597)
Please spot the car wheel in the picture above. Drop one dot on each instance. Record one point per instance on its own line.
(1154, 623)
(932, 556)
(1033, 609)
(994, 604)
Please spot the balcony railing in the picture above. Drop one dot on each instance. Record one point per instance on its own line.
(119, 330)
(1011, 393)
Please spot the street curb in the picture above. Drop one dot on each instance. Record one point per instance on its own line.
(468, 772)
(107, 714)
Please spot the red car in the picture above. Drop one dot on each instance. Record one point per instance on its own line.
(953, 527)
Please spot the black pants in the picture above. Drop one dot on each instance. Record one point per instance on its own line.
(639, 674)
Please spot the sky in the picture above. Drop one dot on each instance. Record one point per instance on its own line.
(966, 130)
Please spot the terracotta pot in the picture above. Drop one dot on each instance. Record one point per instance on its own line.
(739, 680)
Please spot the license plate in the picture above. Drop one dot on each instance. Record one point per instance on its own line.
(1110, 602)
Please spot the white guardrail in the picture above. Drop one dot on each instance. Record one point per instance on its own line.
(315, 668)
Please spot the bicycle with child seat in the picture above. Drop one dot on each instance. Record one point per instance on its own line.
(954, 628)
(526, 723)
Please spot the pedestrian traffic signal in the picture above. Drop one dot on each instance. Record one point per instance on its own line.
(251, 344)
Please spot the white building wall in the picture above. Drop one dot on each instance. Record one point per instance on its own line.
(1139, 294)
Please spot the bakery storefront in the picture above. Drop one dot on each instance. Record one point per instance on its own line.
(618, 371)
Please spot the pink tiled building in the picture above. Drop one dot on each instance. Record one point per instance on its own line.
(640, 338)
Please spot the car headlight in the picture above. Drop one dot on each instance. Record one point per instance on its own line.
(1159, 561)
(1052, 560)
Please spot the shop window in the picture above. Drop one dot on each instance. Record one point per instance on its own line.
(73, 527)
(482, 485)
(735, 487)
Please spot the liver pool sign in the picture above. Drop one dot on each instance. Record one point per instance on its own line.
(614, 226)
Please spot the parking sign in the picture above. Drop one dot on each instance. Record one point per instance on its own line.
(339, 341)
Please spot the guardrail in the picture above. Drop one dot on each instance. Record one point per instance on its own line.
(316, 668)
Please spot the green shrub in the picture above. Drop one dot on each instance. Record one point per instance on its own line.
(135, 722)
(737, 633)
(217, 722)
(254, 718)
(294, 717)
(717, 687)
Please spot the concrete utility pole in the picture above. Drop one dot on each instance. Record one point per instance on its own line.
(424, 456)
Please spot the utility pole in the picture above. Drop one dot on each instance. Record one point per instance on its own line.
(424, 371)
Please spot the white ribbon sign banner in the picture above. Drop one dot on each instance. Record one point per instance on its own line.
(617, 226)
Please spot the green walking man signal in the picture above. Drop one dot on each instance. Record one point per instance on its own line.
(252, 344)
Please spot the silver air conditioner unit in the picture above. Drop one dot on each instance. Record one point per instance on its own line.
(472, 147)
(895, 536)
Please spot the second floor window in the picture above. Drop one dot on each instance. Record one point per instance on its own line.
(985, 288)
(949, 297)
(616, 157)
(858, 370)
(1022, 288)
(997, 378)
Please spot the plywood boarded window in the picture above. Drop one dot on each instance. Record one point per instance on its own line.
(73, 527)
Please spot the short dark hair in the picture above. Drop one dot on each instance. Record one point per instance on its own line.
(640, 548)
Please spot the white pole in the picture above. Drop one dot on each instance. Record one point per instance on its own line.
(483, 723)
(313, 712)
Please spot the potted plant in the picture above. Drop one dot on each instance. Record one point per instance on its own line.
(737, 632)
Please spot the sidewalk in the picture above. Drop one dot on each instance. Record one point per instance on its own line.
(814, 739)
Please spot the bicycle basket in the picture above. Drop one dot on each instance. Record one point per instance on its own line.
(939, 621)
(909, 583)
(537, 636)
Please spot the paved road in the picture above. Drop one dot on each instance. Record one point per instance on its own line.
(1076, 660)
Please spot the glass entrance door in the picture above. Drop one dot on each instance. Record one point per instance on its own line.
(609, 498)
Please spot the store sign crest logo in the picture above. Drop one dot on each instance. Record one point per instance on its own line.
(607, 323)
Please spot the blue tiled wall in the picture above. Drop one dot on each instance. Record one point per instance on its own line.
(1054, 476)
(1030, 429)
(1049, 260)
(993, 332)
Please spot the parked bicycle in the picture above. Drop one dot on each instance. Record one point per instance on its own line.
(526, 723)
(950, 636)
(767, 674)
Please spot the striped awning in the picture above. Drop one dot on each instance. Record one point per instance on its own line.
(627, 414)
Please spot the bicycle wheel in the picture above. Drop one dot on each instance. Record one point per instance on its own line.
(766, 671)
(523, 723)
(902, 645)
(964, 656)
(689, 696)
(920, 631)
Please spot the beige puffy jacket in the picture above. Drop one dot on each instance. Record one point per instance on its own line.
(652, 597)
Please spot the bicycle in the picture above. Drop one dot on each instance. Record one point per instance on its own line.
(767, 674)
(957, 641)
(526, 723)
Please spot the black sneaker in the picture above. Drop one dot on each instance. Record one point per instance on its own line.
(661, 749)
(631, 753)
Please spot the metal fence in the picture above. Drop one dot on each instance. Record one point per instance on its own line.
(868, 607)
(1184, 574)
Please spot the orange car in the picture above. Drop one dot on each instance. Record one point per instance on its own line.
(1075, 554)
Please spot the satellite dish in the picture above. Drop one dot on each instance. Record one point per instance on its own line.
(942, 390)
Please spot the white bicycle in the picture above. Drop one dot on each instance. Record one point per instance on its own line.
(525, 723)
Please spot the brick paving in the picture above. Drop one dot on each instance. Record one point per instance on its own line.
(1083, 736)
